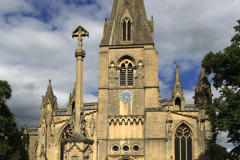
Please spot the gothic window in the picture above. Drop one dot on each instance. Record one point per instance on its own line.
(183, 143)
(126, 73)
(126, 29)
(67, 132)
(130, 75)
(123, 75)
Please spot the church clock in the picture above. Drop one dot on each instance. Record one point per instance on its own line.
(126, 96)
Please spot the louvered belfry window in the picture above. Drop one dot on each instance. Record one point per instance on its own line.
(183, 143)
(126, 29)
(130, 75)
(123, 75)
(126, 74)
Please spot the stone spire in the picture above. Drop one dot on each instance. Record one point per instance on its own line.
(177, 78)
(49, 95)
(203, 94)
(49, 89)
(141, 28)
(177, 89)
(51, 99)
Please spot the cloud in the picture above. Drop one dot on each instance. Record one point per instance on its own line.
(36, 45)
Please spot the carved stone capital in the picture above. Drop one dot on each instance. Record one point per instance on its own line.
(80, 52)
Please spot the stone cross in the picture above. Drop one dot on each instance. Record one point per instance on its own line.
(80, 32)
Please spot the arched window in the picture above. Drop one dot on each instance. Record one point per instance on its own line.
(67, 132)
(130, 75)
(123, 75)
(177, 104)
(126, 29)
(183, 143)
(126, 73)
(73, 107)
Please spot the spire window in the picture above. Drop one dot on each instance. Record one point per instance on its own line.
(177, 104)
(126, 29)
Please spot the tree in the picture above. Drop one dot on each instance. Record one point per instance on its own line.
(9, 134)
(221, 153)
(225, 110)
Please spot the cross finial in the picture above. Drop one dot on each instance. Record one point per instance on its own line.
(80, 32)
(126, 3)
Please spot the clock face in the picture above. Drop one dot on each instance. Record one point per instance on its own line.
(126, 96)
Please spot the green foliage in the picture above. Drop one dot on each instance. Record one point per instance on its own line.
(221, 153)
(225, 110)
(9, 134)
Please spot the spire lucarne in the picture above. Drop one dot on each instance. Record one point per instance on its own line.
(141, 28)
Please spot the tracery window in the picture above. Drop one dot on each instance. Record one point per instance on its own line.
(126, 29)
(67, 132)
(126, 73)
(183, 143)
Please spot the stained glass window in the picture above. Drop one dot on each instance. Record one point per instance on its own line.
(183, 143)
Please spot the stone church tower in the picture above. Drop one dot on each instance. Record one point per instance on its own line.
(129, 121)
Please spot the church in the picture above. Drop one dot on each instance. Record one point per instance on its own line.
(129, 121)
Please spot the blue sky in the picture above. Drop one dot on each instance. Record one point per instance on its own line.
(36, 45)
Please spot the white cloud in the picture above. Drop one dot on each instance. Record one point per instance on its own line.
(33, 50)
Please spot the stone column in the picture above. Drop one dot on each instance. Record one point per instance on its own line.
(80, 54)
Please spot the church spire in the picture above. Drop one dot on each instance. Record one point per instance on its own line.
(49, 89)
(128, 24)
(203, 94)
(177, 92)
(177, 77)
(202, 74)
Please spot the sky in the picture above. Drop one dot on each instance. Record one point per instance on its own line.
(36, 45)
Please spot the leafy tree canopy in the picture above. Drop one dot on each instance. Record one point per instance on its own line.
(225, 110)
(221, 153)
(9, 134)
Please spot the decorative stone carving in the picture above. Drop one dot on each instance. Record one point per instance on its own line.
(42, 154)
(72, 122)
(156, 109)
(80, 32)
(88, 151)
(169, 123)
(82, 125)
(125, 119)
(92, 126)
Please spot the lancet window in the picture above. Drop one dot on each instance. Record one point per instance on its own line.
(126, 29)
(177, 104)
(183, 143)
